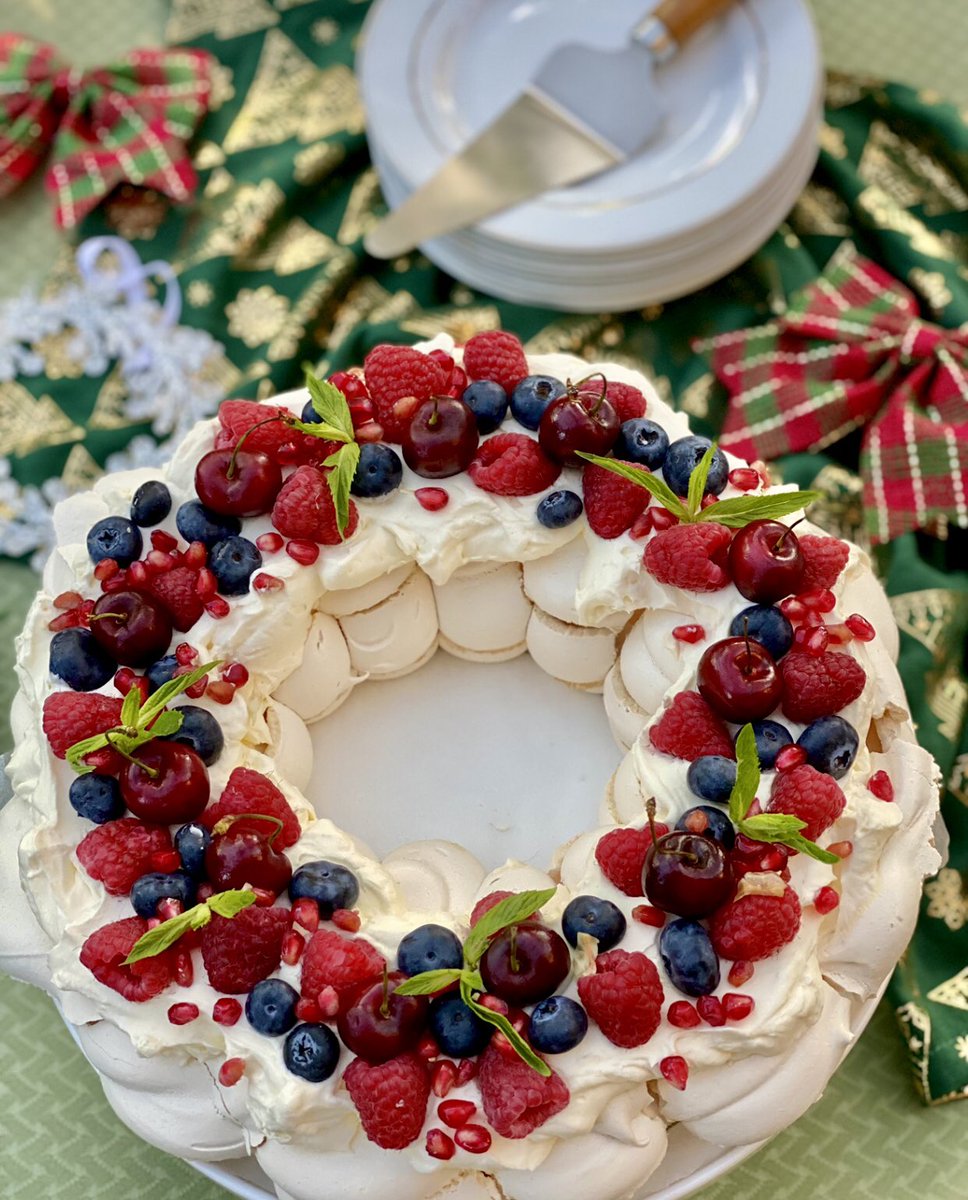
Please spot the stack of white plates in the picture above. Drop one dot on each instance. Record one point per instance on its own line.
(739, 140)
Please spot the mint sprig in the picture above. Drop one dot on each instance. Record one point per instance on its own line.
(765, 827)
(335, 425)
(512, 910)
(140, 723)
(158, 940)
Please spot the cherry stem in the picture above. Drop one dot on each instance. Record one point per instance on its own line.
(151, 772)
(231, 471)
(434, 419)
(515, 962)
(650, 813)
(385, 1006)
(789, 529)
(226, 823)
(101, 616)
(749, 652)
(573, 390)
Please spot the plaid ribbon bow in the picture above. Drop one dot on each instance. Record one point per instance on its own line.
(851, 350)
(127, 122)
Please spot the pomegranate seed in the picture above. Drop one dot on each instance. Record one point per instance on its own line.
(235, 674)
(755, 807)
(67, 600)
(267, 583)
(792, 609)
(270, 543)
(157, 563)
(138, 574)
(458, 382)
(346, 919)
(427, 1048)
(444, 360)
(106, 569)
(433, 499)
(404, 408)
(841, 849)
(105, 762)
(221, 692)
(288, 454)
(227, 1011)
(466, 1071)
(740, 972)
(185, 654)
(205, 892)
(369, 431)
(814, 640)
(676, 1070)
(168, 908)
(67, 620)
(813, 619)
(839, 635)
(880, 785)
(264, 898)
(790, 757)
(304, 553)
(347, 383)
(744, 478)
(439, 1145)
(153, 922)
(475, 1139)
(196, 556)
(123, 680)
(709, 501)
(710, 1008)
(197, 690)
(683, 1015)
(860, 627)
(689, 633)
(645, 914)
(117, 583)
(184, 970)
(293, 945)
(821, 600)
(663, 519)
(737, 1007)
(217, 608)
(165, 861)
(305, 912)
(183, 1014)
(231, 1071)
(308, 1010)
(206, 585)
(494, 1003)
(642, 526)
(163, 541)
(826, 900)
(328, 1002)
(362, 409)
(443, 1076)
(760, 467)
(697, 821)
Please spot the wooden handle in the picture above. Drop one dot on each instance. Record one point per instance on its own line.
(683, 17)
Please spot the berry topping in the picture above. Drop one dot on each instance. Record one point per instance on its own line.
(756, 925)
(823, 560)
(532, 396)
(525, 963)
(263, 434)
(378, 472)
(765, 561)
(237, 482)
(166, 783)
(766, 625)
(457, 1030)
(687, 873)
(710, 1009)
(512, 464)
(270, 1008)
(688, 957)
(581, 420)
(675, 1070)
(516, 1099)
(830, 745)
(488, 401)
(196, 523)
(496, 355)
(456, 1113)
(826, 900)
(238, 953)
(806, 793)
(191, 842)
(391, 1098)
(133, 628)
(600, 919)
(739, 679)
(624, 997)
(440, 438)
(201, 732)
(397, 373)
(612, 503)
(79, 660)
(690, 556)
(558, 509)
(346, 964)
(177, 591)
(150, 504)
(377, 1024)
(149, 890)
(557, 1025)
(860, 627)
(119, 852)
(249, 792)
(711, 778)
(312, 1052)
(244, 853)
(329, 885)
(116, 538)
(642, 442)
(690, 729)
(429, 948)
(711, 822)
(683, 1015)
(770, 737)
(304, 509)
(104, 952)
(628, 401)
(880, 785)
(621, 854)
(97, 798)
(231, 1071)
(819, 685)
(682, 458)
(232, 562)
(70, 718)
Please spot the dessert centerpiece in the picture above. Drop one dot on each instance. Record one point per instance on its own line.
(250, 979)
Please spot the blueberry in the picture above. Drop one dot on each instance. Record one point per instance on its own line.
(117, 538)
(458, 1031)
(684, 455)
(689, 958)
(151, 503)
(766, 625)
(378, 472)
(718, 825)
(97, 798)
(309, 415)
(163, 671)
(557, 1024)
(429, 948)
(642, 441)
(191, 842)
(532, 396)
(196, 523)
(711, 778)
(602, 919)
(488, 401)
(270, 1007)
(558, 509)
(200, 732)
(150, 889)
(329, 884)
(232, 562)
(79, 660)
(312, 1052)
(831, 745)
(771, 737)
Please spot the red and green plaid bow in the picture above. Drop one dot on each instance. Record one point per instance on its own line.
(128, 122)
(851, 350)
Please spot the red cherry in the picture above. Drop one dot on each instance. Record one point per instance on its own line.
(765, 561)
(167, 784)
(525, 964)
(378, 1024)
(687, 874)
(441, 438)
(133, 628)
(241, 851)
(582, 419)
(238, 483)
(739, 679)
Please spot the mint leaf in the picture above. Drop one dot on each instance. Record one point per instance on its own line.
(797, 842)
(76, 753)
(652, 483)
(166, 724)
(231, 903)
(344, 463)
(697, 481)
(747, 775)
(740, 510)
(522, 1048)
(131, 707)
(158, 940)
(512, 910)
(772, 827)
(173, 688)
(428, 982)
(330, 405)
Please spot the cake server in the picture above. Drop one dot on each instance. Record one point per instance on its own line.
(584, 111)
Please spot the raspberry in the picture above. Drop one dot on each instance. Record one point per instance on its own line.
(624, 997)
(810, 795)
(304, 509)
(690, 729)
(486, 903)
(690, 556)
(390, 1098)
(71, 717)
(240, 952)
(818, 685)
(238, 416)
(612, 504)
(516, 1099)
(496, 355)
(627, 400)
(176, 590)
(755, 927)
(119, 852)
(104, 952)
(249, 792)
(341, 963)
(393, 372)
(823, 560)
(621, 855)
(512, 464)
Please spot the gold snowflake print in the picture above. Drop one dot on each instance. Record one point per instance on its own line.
(199, 293)
(946, 898)
(256, 316)
(325, 31)
(961, 1047)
